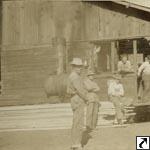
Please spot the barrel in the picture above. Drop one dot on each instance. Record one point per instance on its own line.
(56, 85)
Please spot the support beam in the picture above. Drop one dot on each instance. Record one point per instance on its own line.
(113, 49)
(116, 55)
(135, 55)
(59, 45)
(91, 56)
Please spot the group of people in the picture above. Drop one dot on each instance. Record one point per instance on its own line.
(143, 76)
(83, 92)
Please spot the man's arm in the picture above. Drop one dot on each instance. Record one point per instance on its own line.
(119, 66)
(110, 89)
(80, 90)
(121, 90)
(95, 87)
(129, 66)
(141, 68)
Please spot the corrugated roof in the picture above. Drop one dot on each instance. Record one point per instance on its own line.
(138, 4)
(144, 3)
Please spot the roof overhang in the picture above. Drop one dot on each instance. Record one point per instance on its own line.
(143, 5)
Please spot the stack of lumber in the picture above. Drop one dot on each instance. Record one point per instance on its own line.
(142, 111)
(47, 116)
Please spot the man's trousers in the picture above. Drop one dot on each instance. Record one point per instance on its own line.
(92, 114)
(77, 125)
(146, 92)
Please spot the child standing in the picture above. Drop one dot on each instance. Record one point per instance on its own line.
(115, 93)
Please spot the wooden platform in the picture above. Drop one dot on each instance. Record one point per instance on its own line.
(47, 116)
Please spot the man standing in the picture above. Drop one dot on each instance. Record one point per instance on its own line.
(93, 103)
(79, 97)
(144, 71)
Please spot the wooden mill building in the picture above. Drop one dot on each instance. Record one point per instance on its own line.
(40, 37)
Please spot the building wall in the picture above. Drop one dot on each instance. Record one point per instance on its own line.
(28, 56)
(109, 20)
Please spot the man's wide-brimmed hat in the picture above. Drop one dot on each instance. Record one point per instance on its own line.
(90, 73)
(77, 62)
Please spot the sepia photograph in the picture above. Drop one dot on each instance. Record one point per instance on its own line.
(74, 75)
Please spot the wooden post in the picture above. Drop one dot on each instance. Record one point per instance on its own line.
(135, 65)
(66, 58)
(117, 55)
(21, 11)
(135, 55)
(112, 56)
(91, 55)
(4, 22)
(59, 45)
(4, 41)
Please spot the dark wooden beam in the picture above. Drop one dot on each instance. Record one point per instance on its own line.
(135, 54)
(112, 56)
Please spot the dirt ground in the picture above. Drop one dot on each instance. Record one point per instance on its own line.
(118, 138)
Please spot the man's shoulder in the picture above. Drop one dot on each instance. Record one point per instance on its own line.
(146, 63)
(128, 62)
(120, 85)
(120, 62)
(86, 79)
(73, 76)
(89, 82)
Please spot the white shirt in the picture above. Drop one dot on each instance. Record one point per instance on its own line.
(124, 66)
(115, 89)
(145, 68)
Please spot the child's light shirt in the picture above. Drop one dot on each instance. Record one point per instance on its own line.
(115, 89)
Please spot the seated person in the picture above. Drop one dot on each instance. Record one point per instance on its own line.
(124, 66)
(93, 103)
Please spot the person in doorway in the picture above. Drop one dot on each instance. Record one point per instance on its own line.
(78, 96)
(93, 103)
(124, 66)
(144, 72)
(115, 93)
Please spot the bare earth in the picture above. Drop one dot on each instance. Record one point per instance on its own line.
(119, 138)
